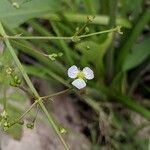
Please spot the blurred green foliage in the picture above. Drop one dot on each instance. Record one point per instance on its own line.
(113, 57)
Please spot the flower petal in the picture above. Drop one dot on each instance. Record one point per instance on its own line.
(79, 83)
(73, 71)
(88, 73)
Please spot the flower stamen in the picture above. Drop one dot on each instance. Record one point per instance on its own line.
(81, 75)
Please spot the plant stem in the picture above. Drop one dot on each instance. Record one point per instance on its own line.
(56, 94)
(23, 115)
(110, 53)
(37, 37)
(4, 99)
(56, 38)
(25, 90)
(100, 32)
(37, 101)
(32, 88)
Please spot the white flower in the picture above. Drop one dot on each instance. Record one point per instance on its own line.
(80, 76)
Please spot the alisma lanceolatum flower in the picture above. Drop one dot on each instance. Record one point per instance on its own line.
(80, 77)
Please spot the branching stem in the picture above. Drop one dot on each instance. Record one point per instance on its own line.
(19, 37)
(30, 85)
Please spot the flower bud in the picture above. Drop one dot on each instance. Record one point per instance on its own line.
(119, 30)
(21, 122)
(4, 115)
(9, 70)
(87, 29)
(90, 18)
(52, 56)
(15, 4)
(6, 124)
(75, 39)
(88, 47)
(62, 131)
(5, 128)
(60, 54)
(30, 125)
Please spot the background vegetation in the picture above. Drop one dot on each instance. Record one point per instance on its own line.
(118, 97)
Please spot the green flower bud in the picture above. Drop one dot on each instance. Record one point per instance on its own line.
(119, 29)
(16, 5)
(21, 122)
(60, 54)
(90, 18)
(87, 29)
(52, 56)
(4, 115)
(75, 39)
(12, 83)
(62, 130)
(18, 82)
(88, 47)
(15, 81)
(9, 70)
(30, 125)
(6, 124)
(77, 29)
(5, 128)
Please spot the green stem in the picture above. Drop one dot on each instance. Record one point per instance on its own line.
(110, 54)
(100, 32)
(56, 38)
(5, 99)
(37, 37)
(35, 117)
(37, 101)
(24, 114)
(25, 90)
(56, 94)
(32, 88)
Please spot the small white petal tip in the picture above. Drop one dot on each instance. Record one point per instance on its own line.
(89, 74)
(73, 71)
(79, 83)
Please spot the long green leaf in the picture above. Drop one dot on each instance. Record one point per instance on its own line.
(139, 53)
(35, 8)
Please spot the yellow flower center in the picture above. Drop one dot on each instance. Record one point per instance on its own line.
(81, 75)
